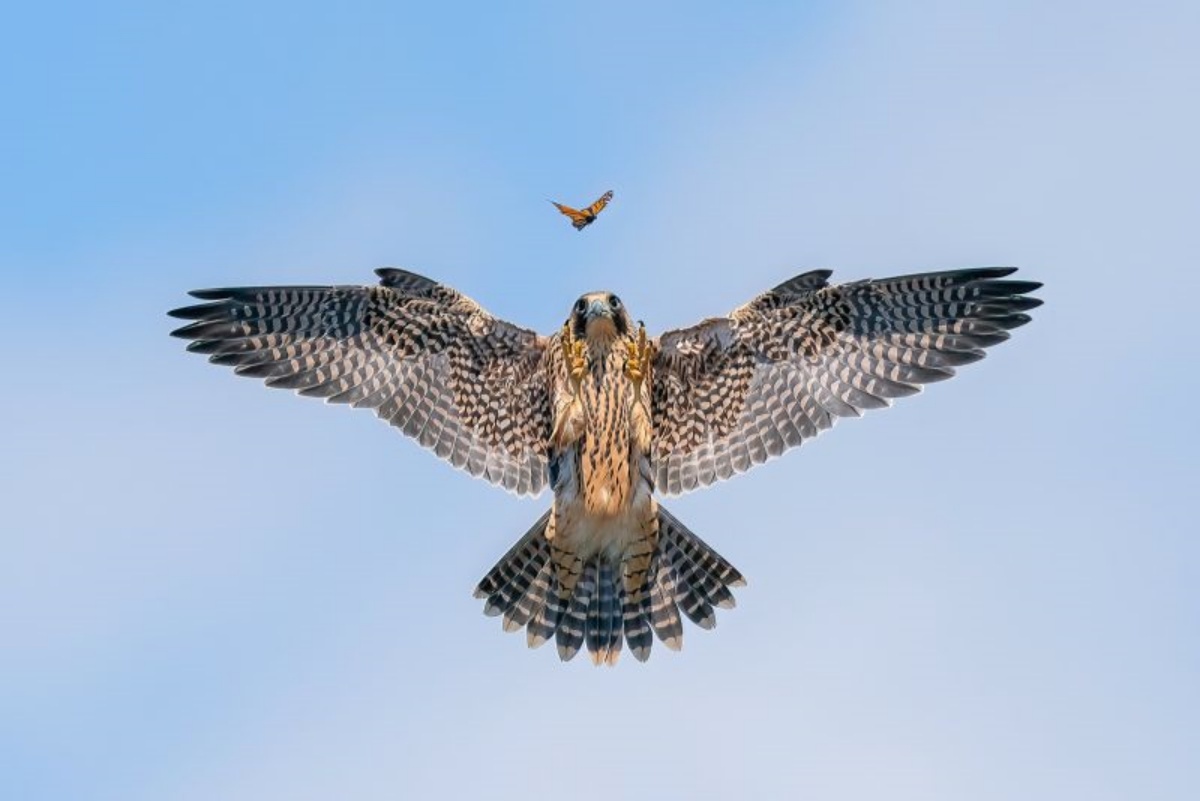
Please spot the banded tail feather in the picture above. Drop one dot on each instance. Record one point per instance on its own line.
(518, 579)
(602, 613)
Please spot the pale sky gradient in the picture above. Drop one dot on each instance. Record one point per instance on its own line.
(210, 590)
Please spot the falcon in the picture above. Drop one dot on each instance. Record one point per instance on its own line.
(607, 417)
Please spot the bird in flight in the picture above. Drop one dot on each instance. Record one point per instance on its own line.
(607, 417)
(583, 218)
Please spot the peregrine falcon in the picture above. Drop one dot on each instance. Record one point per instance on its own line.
(608, 417)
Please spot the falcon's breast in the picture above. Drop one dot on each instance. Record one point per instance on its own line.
(603, 425)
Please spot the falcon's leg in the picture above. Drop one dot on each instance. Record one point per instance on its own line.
(571, 413)
(575, 358)
(570, 421)
(637, 365)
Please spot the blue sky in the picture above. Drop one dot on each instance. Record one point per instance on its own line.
(215, 591)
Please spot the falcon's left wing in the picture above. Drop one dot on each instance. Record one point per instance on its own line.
(426, 358)
(734, 391)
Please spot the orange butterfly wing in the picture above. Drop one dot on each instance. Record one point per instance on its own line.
(584, 218)
(599, 205)
(578, 218)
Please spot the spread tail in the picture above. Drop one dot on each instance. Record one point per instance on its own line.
(605, 609)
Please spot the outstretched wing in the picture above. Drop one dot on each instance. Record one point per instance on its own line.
(732, 392)
(582, 219)
(426, 358)
(578, 218)
(600, 203)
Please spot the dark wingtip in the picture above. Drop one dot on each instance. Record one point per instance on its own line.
(399, 278)
(217, 293)
(1028, 303)
(195, 312)
(991, 272)
(1001, 287)
(202, 346)
(186, 331)
(805, 282)
(1006, 304)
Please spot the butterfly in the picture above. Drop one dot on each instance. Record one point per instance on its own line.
(582, 218)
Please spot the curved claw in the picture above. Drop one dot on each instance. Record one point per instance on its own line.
(637, 365)
(576, 359)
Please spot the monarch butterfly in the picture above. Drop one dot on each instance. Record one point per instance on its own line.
(582, 218)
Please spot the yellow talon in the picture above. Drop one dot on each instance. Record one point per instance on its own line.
(576, 359)
(637, 365)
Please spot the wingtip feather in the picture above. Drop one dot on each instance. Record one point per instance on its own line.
(216, 293)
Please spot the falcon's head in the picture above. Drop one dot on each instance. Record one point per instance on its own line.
(600, 316)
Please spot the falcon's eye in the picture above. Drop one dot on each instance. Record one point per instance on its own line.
(580, 306)
(614, 301)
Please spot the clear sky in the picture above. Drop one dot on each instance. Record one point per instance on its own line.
(210, 590)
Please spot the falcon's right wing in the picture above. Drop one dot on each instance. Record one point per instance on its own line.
(426, 358)
(734, 391)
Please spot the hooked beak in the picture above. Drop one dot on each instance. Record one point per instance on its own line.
(598, 308)
(600, 320)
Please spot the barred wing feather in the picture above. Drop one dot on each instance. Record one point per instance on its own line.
(732, 392)
(426, 358)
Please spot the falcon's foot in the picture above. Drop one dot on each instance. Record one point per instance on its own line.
(570, 414)
(637, 365)
(575, 358)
